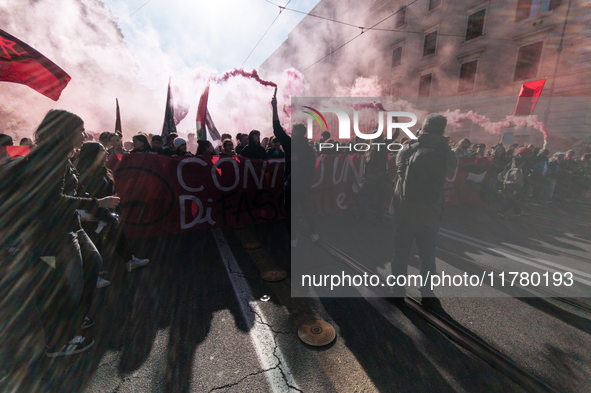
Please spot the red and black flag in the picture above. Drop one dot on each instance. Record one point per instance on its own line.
(118, 118)
(169, 125)
(19, 63)
(528, 97)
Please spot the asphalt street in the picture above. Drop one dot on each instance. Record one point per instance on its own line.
(199, 317)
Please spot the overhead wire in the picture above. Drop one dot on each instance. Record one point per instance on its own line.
(359, 35)
(124, 20)
(373, 27)
(315, 16)
(265, 33)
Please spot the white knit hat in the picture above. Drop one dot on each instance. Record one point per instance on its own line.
(178, 142)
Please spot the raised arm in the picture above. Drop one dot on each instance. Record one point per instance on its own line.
(278, 131)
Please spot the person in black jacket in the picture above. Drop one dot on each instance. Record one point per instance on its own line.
(241, 142)
(376, 179)
(422, 166)
(254, 148)
(274, 150)
(513, 198)
(300, 163)
(141, 144)
(40, 207)
(97, 181)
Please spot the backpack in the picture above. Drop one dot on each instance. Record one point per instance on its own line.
(512, 178)
(424, 175)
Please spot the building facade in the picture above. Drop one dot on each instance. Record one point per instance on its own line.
(444, 54)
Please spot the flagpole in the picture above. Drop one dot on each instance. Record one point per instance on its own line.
(524, 127)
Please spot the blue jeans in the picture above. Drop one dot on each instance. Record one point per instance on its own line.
(549, 189)
(425, 236)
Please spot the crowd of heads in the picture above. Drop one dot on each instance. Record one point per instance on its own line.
(176, 146)
(251, 145)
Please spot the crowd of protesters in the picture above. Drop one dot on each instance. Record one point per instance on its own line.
(64, 237)
(559, 177)
(547, 177)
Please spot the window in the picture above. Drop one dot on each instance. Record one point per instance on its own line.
(425, 85)
(434, 4)
(371, 67)
(528, 60)
(467, 76)
(394, 90)
(430, 43)
(401, 17)
(396, 56)
(475, 25)
(529, 8)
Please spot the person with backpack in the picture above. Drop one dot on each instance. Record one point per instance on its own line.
(512, 179)
(422, 166)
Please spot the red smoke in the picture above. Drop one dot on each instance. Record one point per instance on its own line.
(293, 84)
(456, 118)
(241, 72)
(529, 121)
(360, 105)
(369, 105)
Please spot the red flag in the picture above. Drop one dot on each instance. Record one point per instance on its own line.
(168, 125)
(19, 63)
(528, 97)
(201, 114)
(118, 118)
(15, 151)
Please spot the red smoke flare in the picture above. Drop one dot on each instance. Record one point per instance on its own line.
(241, 72)
(456, 118)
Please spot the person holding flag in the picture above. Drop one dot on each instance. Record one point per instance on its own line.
(169, 125)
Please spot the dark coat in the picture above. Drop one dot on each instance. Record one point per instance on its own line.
(253, 149)
(300, 159)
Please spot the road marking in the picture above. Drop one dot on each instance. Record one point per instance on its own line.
(484, 245)
(263, 339)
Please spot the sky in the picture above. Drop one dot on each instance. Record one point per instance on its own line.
(202, 34)
(186, 41)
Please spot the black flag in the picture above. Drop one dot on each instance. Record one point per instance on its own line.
(168, 125)
(118, 119)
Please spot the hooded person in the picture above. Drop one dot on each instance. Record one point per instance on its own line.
(254, 148)
(422, 166)
(514, 195)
